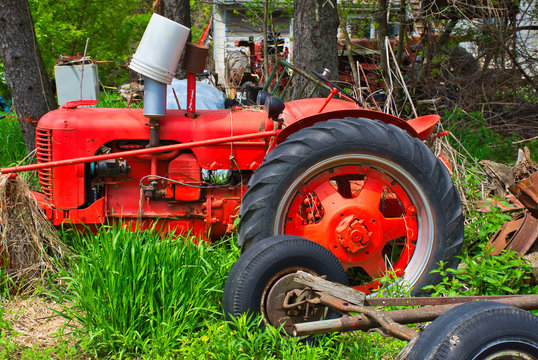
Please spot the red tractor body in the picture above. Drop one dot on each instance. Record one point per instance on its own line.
(95, 192)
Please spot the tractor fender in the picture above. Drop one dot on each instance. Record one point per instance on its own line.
(421, 127)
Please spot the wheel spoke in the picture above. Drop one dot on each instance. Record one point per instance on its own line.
(329, 197)
(394, 228)
(370, 193)
(374, 265)
(314, 232)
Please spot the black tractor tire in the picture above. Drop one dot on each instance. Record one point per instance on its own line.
(258, 269)
(479, 330)
(327, 145)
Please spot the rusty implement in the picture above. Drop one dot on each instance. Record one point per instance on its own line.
(363, 316)
(520, 233)
(517, 235)
(527, 192)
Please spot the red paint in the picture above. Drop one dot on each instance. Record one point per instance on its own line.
(71, 140)
(191, 94)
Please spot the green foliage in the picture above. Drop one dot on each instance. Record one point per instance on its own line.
(144, 295)
(393, 286)
(480, 141)
(201, 12)
(483, 274)
(114, 29)
(111, 99)
(246, 339)
(254, 11)
(481, 226)
(11, 138)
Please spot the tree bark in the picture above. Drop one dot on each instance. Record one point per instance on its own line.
(315, 32)
(180, 12)
(402, 38)
(382, 32)
(25, 72)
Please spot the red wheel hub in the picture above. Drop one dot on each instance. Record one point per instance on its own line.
(362, 215)
(353, 235)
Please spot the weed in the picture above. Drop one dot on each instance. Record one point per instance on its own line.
(108, 99)
(483, 274)
(482, 142)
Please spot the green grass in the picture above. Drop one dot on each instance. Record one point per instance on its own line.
(11, 141)
(149, 295)
(142, 290)
(481, 142)
(111, 99)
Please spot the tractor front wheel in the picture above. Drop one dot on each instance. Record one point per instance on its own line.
(262, 281)
(367, 191)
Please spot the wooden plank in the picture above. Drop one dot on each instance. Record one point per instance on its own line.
(339, 291)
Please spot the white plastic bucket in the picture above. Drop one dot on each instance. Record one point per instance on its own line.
(159, 51)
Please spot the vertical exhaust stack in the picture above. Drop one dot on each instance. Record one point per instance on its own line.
(156, 58)
(193, 63)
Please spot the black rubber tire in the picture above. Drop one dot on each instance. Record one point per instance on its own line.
(359, 137)
(476, 331)
(257, 266)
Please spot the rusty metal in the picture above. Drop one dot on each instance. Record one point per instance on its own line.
(378, 317)
(517, 235)
(365, 321)
(527, 192)
(425, 301)
(284, 304)
(195, 58)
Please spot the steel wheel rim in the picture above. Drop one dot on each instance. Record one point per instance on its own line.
(424, 217)
(271, 305)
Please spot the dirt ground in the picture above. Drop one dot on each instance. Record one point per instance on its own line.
(35, 321)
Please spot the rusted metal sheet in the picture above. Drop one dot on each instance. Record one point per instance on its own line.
(527, 192)
(520, 234)
(516, 235)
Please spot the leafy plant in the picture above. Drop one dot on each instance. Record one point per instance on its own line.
(4, 89)
(246, 339)
(483, 274)
(481, 142)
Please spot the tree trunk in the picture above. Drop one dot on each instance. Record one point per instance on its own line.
(315, 33)
(402, 38)
(180, 12)
(24, 69)
(382, 32)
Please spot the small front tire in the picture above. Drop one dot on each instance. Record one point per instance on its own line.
(481, 330)
(263, 275)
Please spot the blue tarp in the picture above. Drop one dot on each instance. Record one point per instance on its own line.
(4, 104)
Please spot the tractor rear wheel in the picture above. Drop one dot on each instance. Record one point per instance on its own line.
(367, 191)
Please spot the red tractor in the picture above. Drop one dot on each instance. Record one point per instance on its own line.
(361, 183)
